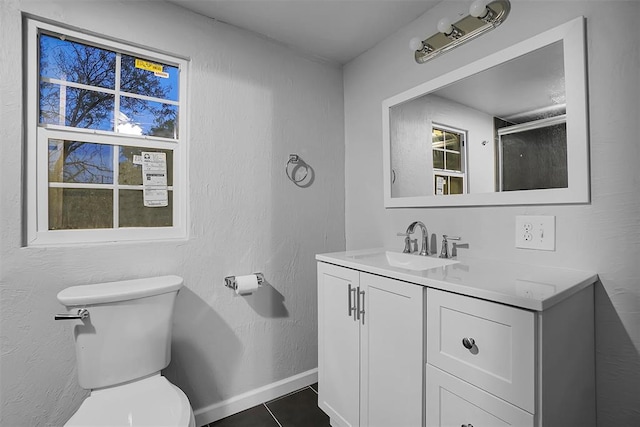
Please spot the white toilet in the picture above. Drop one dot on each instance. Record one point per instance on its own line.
(123, 341)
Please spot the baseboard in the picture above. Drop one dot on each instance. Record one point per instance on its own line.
(254, 397)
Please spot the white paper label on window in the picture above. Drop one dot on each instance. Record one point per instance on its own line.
(440, 185)
(154, 179)
(137, 160)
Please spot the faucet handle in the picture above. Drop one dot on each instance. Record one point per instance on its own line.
(444, 253)
(407, 242)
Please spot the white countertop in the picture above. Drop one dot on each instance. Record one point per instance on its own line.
(521, 285)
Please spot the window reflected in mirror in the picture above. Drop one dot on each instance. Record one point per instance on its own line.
(447, 147)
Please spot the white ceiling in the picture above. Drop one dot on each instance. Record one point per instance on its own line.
(334, 30)
(523, 85)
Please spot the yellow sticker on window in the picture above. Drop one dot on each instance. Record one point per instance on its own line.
(149, 66)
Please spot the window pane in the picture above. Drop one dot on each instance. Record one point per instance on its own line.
(131, 174)
(140, 117)
(453, 162)
(50, 104)
(437, 138)
(452, 141)
(149, 78)
(72, 208)
(76, 62)
(456, 185)
(63, 105)
(74, 161)
(133, 213)
(438, 159)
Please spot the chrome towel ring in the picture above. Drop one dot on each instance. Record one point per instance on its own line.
(295, 160)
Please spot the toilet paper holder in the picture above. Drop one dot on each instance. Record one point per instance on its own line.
(230, 281)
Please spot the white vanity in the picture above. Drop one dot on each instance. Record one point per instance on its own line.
(409, 341)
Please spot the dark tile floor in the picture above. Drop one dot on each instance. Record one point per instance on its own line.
(297, 409)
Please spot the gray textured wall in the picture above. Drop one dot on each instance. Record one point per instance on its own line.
(251, 103)
(603, 236)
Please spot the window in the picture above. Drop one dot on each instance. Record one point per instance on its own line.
(106, 154)
(448, 151)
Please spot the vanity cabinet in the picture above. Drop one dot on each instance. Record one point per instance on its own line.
(370, 348)
(469, 342)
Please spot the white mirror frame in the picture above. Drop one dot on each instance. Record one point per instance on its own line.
(578, 191)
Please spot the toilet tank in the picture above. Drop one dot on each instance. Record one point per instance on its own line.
(127, 335)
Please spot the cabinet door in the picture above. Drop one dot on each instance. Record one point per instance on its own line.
(338, 346)
(452, 402)
(392, 363)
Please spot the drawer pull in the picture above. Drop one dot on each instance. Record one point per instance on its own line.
(468, 343)
(466, 425)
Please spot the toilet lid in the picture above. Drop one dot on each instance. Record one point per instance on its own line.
(153, 401)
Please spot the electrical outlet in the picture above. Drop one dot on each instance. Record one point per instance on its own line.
(536, 232)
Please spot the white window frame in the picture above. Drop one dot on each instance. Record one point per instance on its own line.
(37, 163)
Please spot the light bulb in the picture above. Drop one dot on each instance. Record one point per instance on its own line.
(444, 26)
(478, 9)
(415, 44)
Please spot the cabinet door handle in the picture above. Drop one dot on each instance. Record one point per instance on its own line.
(352, 305)
(466, 425)
(360, 309)
(468, 343)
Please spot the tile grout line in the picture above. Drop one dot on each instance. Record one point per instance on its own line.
(284, 396)
(274, 417)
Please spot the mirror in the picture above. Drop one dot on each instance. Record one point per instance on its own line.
(508, 129)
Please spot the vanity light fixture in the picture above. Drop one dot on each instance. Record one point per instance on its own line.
(484, 15)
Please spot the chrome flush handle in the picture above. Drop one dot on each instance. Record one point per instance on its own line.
(82, 314)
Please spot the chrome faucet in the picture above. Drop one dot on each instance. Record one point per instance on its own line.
(425, 236)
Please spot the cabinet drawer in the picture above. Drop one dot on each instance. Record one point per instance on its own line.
(451, 402)
(501, 359)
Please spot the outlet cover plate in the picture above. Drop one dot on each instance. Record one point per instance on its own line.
(536, 232)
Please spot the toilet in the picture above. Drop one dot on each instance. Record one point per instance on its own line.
(123, 340)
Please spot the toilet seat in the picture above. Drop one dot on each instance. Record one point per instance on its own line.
(152, 401)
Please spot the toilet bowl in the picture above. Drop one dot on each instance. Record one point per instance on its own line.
(123, 340)
(153, 401)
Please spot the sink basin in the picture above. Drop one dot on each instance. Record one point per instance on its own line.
(416, 262)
